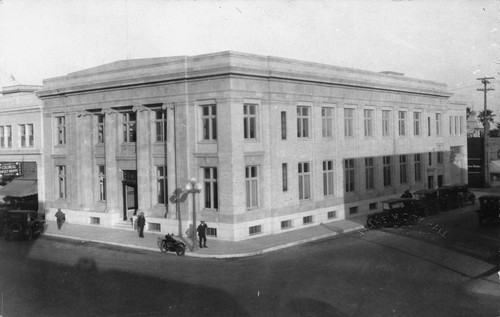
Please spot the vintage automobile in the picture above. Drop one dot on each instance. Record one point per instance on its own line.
(24, 223)
(467, 195)
(429, 199)
(489, 209)
(454, 196)
(396, 212)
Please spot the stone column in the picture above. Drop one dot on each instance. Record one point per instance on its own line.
(171, 158)
(144, 158)
(85, 166)
(113, 178)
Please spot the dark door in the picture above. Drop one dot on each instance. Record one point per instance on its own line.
(129, 190)
(430, 181)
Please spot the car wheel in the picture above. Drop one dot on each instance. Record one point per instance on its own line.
(29, 234)
(180, 250)
(372, 223)
(163, 247)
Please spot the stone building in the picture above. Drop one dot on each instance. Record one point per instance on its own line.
(21, 145)
(277, 144)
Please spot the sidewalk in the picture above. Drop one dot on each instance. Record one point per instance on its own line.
(216, 248)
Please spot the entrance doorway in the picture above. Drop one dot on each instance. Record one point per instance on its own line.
(129, 190)
(430, 181)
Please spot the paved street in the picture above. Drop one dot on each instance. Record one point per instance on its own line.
(393, 272)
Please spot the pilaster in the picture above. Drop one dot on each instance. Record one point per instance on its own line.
(144, 157)
(113, 179)
(85, 160)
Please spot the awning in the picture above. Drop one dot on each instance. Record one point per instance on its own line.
(494, 167)
(20, 188)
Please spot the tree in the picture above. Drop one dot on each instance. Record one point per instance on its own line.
(489, 116)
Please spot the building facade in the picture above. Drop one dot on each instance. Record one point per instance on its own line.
(276, 144)
(21, 146)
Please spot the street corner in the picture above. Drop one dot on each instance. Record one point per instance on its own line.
(488, 285)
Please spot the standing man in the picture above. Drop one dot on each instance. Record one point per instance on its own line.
(141, 222)
(202, 233)
(60, 217)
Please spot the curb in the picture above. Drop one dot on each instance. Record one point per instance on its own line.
(219, 256)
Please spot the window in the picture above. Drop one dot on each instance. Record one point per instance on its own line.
(26, 135)
(252, 186)
(386, 119)
(161, 125)
(387, 170)
(369, 173)
(286, 224)
(155, 227)
(284, 176)
(128, 124)
(372, 206)
(161, 184)
(95, 220)
(440, 156)
(461, 124)
(61, 181)
(438, 124)
(255, 230)
(283, 125)
(212, 232)
(353, 210)
(100, 129)
(349, 175)
(332, 214)
(327, 122)
(2, 136)
(327, 178)
(211, 190)
(102, 182)
(368, 122)
(451, 125)
(416, 123)
(304, 180)
(429, 126)
(430, 158)
(349, 122)
(403, 169)
(456, 124)
(250, 121)
(402, 123)
(302, 122)
(61, 130)
(307, 220)
(418, 168)
(209, 122)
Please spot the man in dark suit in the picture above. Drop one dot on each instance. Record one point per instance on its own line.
(202, 233)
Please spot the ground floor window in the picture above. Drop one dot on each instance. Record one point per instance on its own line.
(161, 184)
(61, 181)
(210, 187)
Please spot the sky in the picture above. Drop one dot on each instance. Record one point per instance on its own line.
(449, 41)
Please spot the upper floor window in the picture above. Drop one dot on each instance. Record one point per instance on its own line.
(456, 124)
(451, 125)
(284, 176)
(386, 120)
(416, 123)
(210, 188)
(438, 124)
(369, 173)
(161, 125)
(387, 170)
(129, 127)
(328, 178)
(403, 169)
(26, 135)
(304, 180)
(6, 136)
(429, 126)
(61, 130)
(250, 121)
(303, 122)
(283, 125)
(252, 186)
(209, 122)
(327, 122)
(440, 157)
(61, 181)
(418, 167)
(368, 122)
(402, 123)
(100, 129)
(348, 122)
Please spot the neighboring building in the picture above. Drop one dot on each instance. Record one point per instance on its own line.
(277, 144)
(21, 145)
(474, 130)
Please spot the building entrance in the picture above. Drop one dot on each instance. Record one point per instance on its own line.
(129, 190)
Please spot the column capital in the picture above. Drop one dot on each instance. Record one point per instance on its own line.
(83, 113)
(139, 108)
(108, 111)
(168, 105)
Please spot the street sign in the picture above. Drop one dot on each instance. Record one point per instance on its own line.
(10, 169)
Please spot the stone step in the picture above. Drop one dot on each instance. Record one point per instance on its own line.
(123, 225)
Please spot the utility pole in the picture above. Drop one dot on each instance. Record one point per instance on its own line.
(486, 161)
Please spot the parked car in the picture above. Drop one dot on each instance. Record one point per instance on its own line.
(467, 195)
(396, 211)
(24, 223)
(489, 209)
(449, 198)
(429, 199)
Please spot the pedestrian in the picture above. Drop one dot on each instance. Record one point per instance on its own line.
(141, 222)
(202, 234)
(60, 218)
(407, 194)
